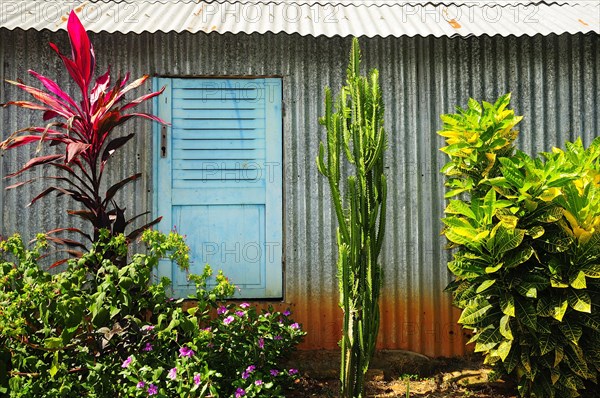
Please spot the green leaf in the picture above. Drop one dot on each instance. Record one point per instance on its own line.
(511, 361)
(577, 281)
(504, 349)
(591, 270)
(505, 327)
(526, 289)
(546, 343)
(507, 239)
(577, 364)
(580, 300)
(526, 361)
(570, 330)
(590, 320)
(492, 269)
(53, 342)
(559, 354)
(485, 285)
(525, 312)
(459, 207)
(507, 304)
(518, 257)
(560, 310)
(54, 368)
(536, 231)
(474, 313)
(488, 339)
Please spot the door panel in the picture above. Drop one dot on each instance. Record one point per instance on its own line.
(219, 179)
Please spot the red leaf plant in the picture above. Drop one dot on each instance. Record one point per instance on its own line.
(85, 130)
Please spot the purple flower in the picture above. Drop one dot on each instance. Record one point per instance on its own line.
(261, 343)
(244, 305)
(274, 372)
(277, 338)
(148, 347)
(258, 382)
(152, 389)
(186, 352)
(172, 374)
(127, 362)
(147, 328)
(247, 372)
(240, 392)
(221, 310)
(240, 313)
(293, 371)
(295, 325)
(287, 313)
(140, 384)
(228, 320)
(197, 379)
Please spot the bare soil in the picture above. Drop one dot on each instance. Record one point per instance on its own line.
(450, 378)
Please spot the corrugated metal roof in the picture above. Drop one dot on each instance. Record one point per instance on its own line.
(314, 17)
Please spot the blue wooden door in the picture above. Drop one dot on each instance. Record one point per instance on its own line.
(218, 179)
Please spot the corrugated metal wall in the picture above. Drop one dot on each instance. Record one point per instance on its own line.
(556, 85)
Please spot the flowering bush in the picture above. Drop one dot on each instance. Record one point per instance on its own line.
(237, 355)
(110, 333)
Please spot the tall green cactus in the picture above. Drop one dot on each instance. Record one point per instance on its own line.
(355, 130)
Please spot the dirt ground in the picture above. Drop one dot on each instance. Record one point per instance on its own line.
(450, 379)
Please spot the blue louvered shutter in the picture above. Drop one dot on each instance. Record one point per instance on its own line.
(219, 179)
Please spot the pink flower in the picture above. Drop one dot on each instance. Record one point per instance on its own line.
(152, 389)
(148, 347)
(287, 312)
(295, 325)
(172, 374)
(140, 384)
(274, 372)
(277, 338)
(261, 343)
(247, 372)
(240, 313)
(258, 382)
(293, 371)
(240, 392)
(197, 379)
(244, 305)
(147, 328)
(221, 310)
(127, 362)
(186, 352)
(228, 320)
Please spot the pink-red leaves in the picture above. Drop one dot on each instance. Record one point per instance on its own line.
(74, 149)
(84, 124)
(81, 48)
(36, 162)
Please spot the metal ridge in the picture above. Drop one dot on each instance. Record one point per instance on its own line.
(352, 3)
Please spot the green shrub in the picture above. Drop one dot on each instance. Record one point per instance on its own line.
(111, 333)
(526, 250)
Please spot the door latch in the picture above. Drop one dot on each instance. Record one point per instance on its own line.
(163, 142)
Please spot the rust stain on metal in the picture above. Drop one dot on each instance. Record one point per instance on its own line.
(421, 325)
(454, 24)
(78, 9)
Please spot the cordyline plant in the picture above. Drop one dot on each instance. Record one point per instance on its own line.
(85, 129)
(355, 132)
